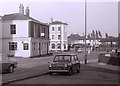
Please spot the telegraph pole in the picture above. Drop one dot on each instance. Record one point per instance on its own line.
(85, 33)
(60, 38)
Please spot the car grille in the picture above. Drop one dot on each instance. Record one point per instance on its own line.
(57, 68)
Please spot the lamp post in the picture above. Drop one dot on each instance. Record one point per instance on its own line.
(85, 33)
(60, 38)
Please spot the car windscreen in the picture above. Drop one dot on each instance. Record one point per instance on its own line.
(60, 58)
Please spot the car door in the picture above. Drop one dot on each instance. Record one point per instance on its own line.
(73, 62)
(5, 63)
(77, 62)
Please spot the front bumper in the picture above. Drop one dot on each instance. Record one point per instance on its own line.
(58, 71)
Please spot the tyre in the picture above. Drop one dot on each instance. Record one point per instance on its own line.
(78, 69)
(50, 73)
(70, 72)
(11, 69)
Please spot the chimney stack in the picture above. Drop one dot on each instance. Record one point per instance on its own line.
(51, 20)
(27, 11)
(21, 9)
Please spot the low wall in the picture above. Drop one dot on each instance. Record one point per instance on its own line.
(109, 58)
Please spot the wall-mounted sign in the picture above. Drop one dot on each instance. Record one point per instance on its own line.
(42, 34)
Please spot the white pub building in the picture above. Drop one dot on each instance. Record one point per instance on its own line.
(24, 36)
(58, 36)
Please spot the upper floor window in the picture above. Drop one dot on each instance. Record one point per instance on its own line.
(13, 29)
(58, 36)
(59, 28)
(52, 36)
(25, 46)
(53, 29)
(12, 45)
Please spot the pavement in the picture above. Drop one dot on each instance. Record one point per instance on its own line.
(32, 67)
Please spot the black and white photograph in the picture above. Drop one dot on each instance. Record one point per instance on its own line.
(60, 42)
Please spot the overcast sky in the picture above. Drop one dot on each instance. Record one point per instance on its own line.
(101, 16)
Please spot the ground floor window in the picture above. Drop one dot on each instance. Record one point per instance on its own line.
(58, 46)
(53, 46)
(12, 45)
(25, 46)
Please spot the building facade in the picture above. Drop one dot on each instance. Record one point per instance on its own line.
(58, 36)
(24, 36)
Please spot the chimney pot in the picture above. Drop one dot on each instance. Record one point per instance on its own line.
(21, 9)
(27, 11)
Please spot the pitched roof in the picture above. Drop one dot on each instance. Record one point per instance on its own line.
(76, 37)
(109, 39)
(58, 22)
(18, 16)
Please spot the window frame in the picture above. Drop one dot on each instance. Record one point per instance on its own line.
(59, 37)
(53, 29)
(25, 46)
(53, 37)
(59, 29)
(12, 46)
(13, 29)
(58, 46)
(53, 45)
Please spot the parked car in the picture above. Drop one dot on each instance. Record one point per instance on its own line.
(7, 64)
(79, 50)
(64, 63)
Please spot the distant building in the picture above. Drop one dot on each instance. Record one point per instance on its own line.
(58, 36)
(109, 41)
(75, 40)
(23, 35)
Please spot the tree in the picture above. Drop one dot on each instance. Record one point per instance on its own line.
(96, 34)
(100, 34)
(106, 35)
(93, 33)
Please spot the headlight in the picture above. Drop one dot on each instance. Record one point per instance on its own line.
(49, 65)
(66, 65)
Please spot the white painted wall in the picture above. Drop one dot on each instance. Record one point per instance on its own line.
(21, 28)
(56, 33)
(20, 52)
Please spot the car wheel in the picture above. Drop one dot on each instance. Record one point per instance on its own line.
(50, 73)
(70, 72)
(78, 69)
(11, 69)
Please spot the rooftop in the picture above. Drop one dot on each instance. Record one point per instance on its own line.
(58, 22)
(18, 16)
(109, 39)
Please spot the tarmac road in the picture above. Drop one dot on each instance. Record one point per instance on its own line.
(33, 67)
(87, 75)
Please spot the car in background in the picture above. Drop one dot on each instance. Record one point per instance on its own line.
(79, 50)
(64, 63)
(7, 64)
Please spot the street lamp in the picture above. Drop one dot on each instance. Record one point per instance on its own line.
(60, 38)
(85, 33)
